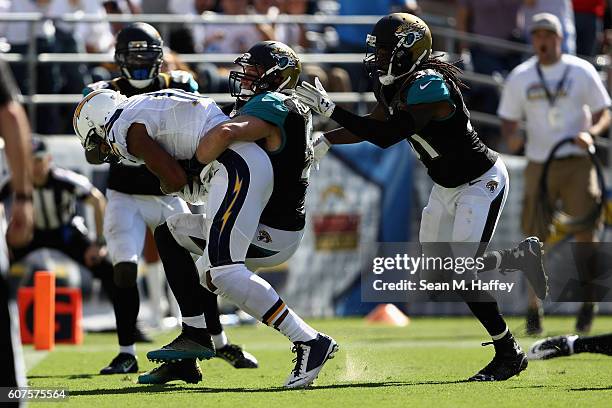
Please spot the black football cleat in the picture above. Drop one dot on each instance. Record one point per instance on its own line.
(236, 356)
(509, 360)
(185, 370)
(552, 347)
(123, 363)
(192, 343)
(310, 358)
(527, 257)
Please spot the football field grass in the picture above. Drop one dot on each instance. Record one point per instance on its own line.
(423, 364)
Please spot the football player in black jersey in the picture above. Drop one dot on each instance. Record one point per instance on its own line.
(135, 202)
(419, 100)
(264, 113)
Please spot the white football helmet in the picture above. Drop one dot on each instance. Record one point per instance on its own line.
(89, 119)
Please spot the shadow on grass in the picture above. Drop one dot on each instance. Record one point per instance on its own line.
(66, 377)
(609, 388)
(180, 387)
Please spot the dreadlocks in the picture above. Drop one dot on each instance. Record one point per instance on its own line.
(449, 71)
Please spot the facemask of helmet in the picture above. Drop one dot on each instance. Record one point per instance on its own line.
(139, 53)
(90, 120)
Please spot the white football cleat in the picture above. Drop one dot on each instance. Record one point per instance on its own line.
(309, 360)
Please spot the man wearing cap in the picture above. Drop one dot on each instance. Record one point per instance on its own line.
(559, 96)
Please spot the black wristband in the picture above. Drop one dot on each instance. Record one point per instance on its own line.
(23, 197)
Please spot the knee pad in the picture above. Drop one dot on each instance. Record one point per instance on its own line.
(125, 274)
(188, 231)
(233, 282)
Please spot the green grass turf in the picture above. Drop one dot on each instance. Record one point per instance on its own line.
(419, 365)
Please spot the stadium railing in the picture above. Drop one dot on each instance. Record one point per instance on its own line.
(441, 27)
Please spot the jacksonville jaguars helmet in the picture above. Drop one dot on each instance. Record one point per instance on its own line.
(396, 47)
(139, 53)
(89, 120)
(272, 65)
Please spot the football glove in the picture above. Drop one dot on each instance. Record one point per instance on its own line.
(194, 192)
(315, 97)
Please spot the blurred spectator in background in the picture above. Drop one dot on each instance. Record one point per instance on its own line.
(588, 16)
(564, 12)
(234, 38)
(493, 18)
(352, 38)
(93, 37)
(120, 7)
(497, 19)
(18, 35)
(559, 96)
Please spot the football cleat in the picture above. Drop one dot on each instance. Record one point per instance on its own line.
(185, 370)
(527, 257)
(584, 319)
(236, 356)
(191, 343)
(309, 360)
(552, 347)
(509, 360)
(123, 363)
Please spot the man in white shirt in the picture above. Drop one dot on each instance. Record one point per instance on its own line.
(560, 96)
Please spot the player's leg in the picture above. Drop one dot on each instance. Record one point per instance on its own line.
(155, 210)
(124, 230)
(478, 208)
(561, 346)
(230, 235)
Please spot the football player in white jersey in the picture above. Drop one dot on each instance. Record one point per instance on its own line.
(165, 126)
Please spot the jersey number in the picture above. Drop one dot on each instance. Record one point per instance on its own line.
(431, 152)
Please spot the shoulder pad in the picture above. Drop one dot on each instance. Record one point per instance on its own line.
(95, 86)
(183, 80)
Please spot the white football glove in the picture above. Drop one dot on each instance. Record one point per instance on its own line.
(194, 192)
(315, 97)
(320, 147)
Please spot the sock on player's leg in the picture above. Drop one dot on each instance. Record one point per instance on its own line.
(258, 298)
(131, 349)
(594, 344)
(198, 322)
(220, 340)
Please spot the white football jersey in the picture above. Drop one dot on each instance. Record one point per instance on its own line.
(175, 119)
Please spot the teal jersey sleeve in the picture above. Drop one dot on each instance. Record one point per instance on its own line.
(267, 106)
(428, 89)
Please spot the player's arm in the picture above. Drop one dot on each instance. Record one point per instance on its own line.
(344, 136)
(244, 128)
(97, 200)
(15, 130)
(385, 133)
(171, 176)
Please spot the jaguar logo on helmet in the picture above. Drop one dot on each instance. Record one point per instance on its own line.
(283, 58)
(409, 34)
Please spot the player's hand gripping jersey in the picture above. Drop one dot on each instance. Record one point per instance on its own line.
(173, 118)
